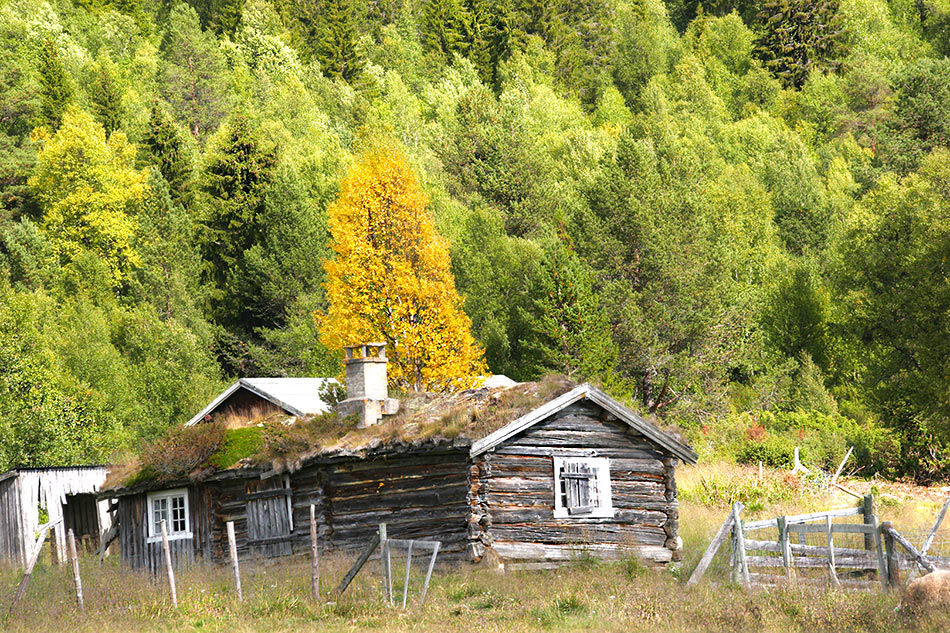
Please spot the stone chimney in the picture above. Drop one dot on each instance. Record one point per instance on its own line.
(367, 387)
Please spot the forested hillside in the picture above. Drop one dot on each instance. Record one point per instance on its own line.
(735, 215)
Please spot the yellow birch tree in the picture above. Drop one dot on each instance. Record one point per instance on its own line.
(391, 281)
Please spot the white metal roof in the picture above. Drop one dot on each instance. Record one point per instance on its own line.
(296, 396)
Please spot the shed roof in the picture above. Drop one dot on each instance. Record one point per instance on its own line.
(296, 396)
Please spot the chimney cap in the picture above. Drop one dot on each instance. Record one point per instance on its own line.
(365, 352)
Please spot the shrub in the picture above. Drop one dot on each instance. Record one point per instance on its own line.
(182, 450)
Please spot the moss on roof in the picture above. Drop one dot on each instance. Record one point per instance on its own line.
(282, 442)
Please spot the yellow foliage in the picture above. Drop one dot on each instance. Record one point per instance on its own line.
(89, 189)
(391, 279)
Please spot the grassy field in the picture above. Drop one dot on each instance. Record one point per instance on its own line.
(586, 595)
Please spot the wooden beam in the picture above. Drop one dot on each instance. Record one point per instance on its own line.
(358, 565)
(930, 537)
(711, 550)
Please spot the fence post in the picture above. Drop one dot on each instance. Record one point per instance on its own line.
(893, 563)
(232, 546)
(741, 561)
(881, 564)
(386, 561)
(784, 545)
(868, 509)
(315, 565)
(75, 561)
(831, 553)
(168, 564)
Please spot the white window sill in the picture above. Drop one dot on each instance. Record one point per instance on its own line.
(597, 513)
(177, 536)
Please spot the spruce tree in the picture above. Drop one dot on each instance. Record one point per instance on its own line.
(335, 47)
(56, 88)
(446, 27)
(105, 92)
(168, 150)
(237, 176)
(797, 37)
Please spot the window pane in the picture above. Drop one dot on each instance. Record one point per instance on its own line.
(159, 513)
(178, 514)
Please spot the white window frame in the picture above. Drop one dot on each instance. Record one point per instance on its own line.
(601, 466)
(155, 536)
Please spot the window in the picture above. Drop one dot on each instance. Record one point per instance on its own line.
(170, 506)
(582, 487)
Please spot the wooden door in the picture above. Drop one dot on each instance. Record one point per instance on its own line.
(269, 519)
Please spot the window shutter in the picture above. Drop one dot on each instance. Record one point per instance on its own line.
(579, 488)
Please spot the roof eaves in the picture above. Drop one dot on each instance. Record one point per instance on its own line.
(649, 430)
(214, 404)
(529, 419)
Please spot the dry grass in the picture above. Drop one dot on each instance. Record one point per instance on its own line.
(587, 596)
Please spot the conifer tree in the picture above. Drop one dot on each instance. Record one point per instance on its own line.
(56, 88)
(106, 95)
(570, 330)
(391, 279)
(335, 46)
(446, 27)
(798, 37)
(237, 177)
(168, 151)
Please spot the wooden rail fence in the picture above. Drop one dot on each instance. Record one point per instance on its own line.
(755, 558)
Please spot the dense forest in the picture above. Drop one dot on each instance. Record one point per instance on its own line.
(734, 215)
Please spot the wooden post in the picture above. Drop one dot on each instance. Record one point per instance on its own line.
(75, 561)
(881, 564)
(785, 546)
(232, 545)
(386, 561)
(168, 564)
(741, 560)
(831, 553)
(890, 549)
(405, 586)
(358, 565)
(868, 510)
(710, 552)
(315, 555)
(30, 564)
(425, 587)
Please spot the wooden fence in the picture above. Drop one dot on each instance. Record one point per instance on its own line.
(777, 551)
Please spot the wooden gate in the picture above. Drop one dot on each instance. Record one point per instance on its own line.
(269, 516)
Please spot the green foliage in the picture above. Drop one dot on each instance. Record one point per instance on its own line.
(799, 37)
(691, 203)
(56, 87)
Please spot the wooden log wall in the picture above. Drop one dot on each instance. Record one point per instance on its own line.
(511, 495)
(134, 547)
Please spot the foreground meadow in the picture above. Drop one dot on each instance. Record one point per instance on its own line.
(586, 595)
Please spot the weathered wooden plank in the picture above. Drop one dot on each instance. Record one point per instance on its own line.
(864, 561)
(579, 534)
(803, 518)
(523, 551)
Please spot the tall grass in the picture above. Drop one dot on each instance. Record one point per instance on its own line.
(587, 596)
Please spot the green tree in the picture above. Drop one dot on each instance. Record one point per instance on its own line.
(106, 93)
(167, 149)
(90, 192)
(237, 176)
(569, 330)
(894, 279)
(798, 37)
(56, 87)
(192, 75)
(336, 40)
(446, 27)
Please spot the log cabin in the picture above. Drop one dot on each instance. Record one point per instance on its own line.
(519, 475)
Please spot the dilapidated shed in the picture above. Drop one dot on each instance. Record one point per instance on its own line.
(65, 496)
(525, 476)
